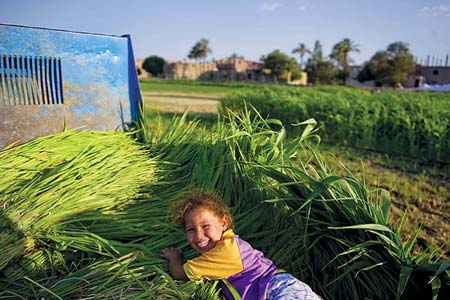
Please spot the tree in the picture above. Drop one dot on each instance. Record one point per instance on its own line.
(200, 50)
(402, 61)
(317, 53)
(319, 71)
(235, 56)
(389, 67)
(279, 64)
(154, 65)
(340, 53)
(322, 73)
(301, 50)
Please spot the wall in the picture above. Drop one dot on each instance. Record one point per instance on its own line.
(434, 75)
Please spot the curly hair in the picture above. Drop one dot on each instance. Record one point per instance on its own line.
(200, 198)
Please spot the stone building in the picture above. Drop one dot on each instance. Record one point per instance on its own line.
(224, 70)
(141, 72)
(240, 70)
(187, 70)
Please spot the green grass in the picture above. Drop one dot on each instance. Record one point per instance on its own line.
(189, 86)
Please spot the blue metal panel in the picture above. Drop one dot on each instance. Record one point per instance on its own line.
(95, 73)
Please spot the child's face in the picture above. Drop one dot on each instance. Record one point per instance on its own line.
(204, 229)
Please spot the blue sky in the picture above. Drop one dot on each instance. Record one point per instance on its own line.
(251, 28)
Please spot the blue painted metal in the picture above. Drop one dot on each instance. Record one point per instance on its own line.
(50, 78)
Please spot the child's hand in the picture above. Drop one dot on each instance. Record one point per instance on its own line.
(171, 254)
(175, 258)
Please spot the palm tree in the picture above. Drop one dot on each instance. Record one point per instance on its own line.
(317, 53)
(200, 50)
(301, 50)
(235, 56)
(340, 54)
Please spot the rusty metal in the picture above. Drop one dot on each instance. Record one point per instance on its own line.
(54, 78)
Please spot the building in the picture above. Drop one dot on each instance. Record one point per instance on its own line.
(140, 70)
(224, 70)
(437, 75)
(187, 70)
(240, 70)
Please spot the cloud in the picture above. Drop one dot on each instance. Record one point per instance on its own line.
(301, 8)
(434, 11)
(270, 6)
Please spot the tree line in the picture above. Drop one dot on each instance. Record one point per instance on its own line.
(389, 67)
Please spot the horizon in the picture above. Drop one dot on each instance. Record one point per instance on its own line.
(252, 28)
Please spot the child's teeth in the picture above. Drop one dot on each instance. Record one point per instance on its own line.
(202, 244)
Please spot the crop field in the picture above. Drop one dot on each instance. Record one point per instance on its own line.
(84, 214)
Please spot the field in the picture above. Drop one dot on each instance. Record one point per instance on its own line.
(84, 214)
(420, 190)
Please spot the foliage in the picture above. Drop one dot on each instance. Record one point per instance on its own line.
(389, 67)
(317, 53)
(320, 71)
(279, 64)
(301, 49)
(405, 123)
(235, 56)
(200, 50)
(154, 65)
(296, 74)
(340, 53)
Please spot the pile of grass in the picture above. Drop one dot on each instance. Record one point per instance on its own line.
(84, 214)
(80, 220)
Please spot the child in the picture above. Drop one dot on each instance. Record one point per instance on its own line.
(244, 272)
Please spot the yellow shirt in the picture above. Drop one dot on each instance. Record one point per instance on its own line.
(219, 262)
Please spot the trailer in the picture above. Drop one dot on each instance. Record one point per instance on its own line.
(52, 79)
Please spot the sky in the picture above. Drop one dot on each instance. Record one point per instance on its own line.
(250, 28)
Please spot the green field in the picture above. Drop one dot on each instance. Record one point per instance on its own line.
(419, 189)
(189, 87)
(84, 214)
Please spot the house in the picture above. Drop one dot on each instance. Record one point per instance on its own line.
(437, 75)
(239, 70)
(224, 70)
(187, 70)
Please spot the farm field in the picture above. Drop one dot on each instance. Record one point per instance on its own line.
(420, 191)
(85, 213)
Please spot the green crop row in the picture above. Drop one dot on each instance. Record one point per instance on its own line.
(403, 123)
